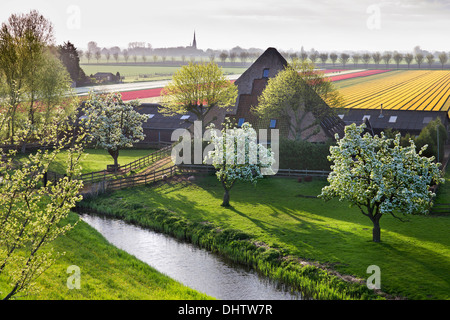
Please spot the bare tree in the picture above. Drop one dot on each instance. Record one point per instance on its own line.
(116, 56)
(343, 58)
(303, 55)
(366, 58)
(313, 56)
(356, 57)
(144, 58)
(89, 56)
(398, 57)
(323, 57)
(98, 55)
(223, 56)
(443, 58)
(243, 56)
(376, 58)
(107, 56)
(92, 46)
(419, 58)
(430, 60)
(233, 56)
(333, 57)
(409, 58)
(126, 55)
(387, 56)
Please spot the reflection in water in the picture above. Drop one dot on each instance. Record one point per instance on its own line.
(194, 267)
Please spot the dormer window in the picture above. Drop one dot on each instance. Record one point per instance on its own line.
(266, 73)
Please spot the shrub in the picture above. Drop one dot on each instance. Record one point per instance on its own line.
(301, 155)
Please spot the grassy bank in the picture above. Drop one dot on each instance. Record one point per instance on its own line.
(273, 225)
(107, 273)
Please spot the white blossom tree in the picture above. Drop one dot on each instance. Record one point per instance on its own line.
(380, 177)
(237, 156)
(113, 124)
(32, 213)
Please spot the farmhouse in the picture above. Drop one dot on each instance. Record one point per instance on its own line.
(252, 83)
(105, 77)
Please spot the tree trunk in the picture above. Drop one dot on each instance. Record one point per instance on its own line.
(226, 198)
(115, 155)
(376, 231)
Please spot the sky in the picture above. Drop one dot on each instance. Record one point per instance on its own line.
(325, 25)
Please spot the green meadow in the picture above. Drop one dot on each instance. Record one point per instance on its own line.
(136, 72)
(281, 215)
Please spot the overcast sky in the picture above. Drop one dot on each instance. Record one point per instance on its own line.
(324, 25)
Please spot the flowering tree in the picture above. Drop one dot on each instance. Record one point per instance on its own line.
(32, 212)
(237, 156)
(113, 124)
(380, 176)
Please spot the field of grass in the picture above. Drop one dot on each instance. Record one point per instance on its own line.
(414, 256)
(107, 273)
(153, 72)
(96, 159)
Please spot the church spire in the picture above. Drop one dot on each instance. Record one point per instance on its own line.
(194, 43)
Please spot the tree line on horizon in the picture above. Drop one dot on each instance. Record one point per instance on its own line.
(143, 53)
(418, 56)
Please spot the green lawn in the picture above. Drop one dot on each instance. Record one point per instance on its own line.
(106, 273)
(414, 256)
(96, 159)
(131, 72)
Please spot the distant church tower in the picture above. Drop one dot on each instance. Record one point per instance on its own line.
(194, 43)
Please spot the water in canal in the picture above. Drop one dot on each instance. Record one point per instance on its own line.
(194, 267)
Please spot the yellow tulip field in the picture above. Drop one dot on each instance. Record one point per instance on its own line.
(421, 90)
